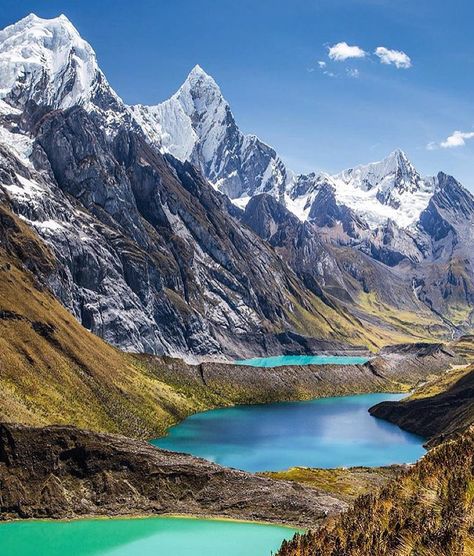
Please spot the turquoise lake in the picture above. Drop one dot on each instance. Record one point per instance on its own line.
(281, 360)
(140, 537)
(328, 432)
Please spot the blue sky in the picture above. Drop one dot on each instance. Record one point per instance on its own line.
(264, 54)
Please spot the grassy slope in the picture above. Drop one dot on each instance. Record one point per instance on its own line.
(398, 327)
(52, 370)
(428, 511)
(402, 326)
(465, 347)
(344, 483)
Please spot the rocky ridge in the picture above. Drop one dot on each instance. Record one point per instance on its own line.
(64, 472)
(171, 268)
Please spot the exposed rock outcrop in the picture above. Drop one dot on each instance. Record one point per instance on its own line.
(392, 370)
(435, 417)
(60, 472)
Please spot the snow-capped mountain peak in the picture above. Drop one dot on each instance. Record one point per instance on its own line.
(201, 86)
(202, 101)
(395, 167)
(390, 189)
(197, 124)
(47, 61)
(178, 124)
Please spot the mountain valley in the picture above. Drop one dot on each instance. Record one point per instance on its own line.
(146, 250)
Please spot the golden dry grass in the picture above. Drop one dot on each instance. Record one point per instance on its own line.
(54, 371)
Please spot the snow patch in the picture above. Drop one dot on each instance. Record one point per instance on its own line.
(241, 202)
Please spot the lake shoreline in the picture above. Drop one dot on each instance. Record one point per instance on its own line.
(138, 516)
(325, 433)
(395, 369)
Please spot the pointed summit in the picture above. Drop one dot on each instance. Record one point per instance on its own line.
(398, 158)
(394, 168)
(199, 92)
(198, 71)
(397, 153)
(198, 74)
(47, 61)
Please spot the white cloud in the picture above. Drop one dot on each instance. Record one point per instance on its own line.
(395, 57)
(457, 139)
(353, 72)
(342, 51)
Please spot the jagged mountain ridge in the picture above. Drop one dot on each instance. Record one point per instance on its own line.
(370, 289)
(153, 267)
(391, 189)
(150, 256)
(197, 124)
(379, 208)
(48, 61)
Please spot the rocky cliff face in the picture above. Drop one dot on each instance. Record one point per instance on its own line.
(64, 472)
(445, 278)
(150, 256)
(344, 266)
(440, 409)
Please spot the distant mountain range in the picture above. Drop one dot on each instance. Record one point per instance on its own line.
(173, 232)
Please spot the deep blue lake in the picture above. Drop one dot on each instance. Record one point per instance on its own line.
(328, 432)
(281, 360)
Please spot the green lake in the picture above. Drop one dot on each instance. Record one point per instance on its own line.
(156, 536)
(281, 360)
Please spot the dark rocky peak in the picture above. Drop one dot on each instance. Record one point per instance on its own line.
(266, 216)
(451, 196)
(326, 212)
(391, 244)
(451, 209)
